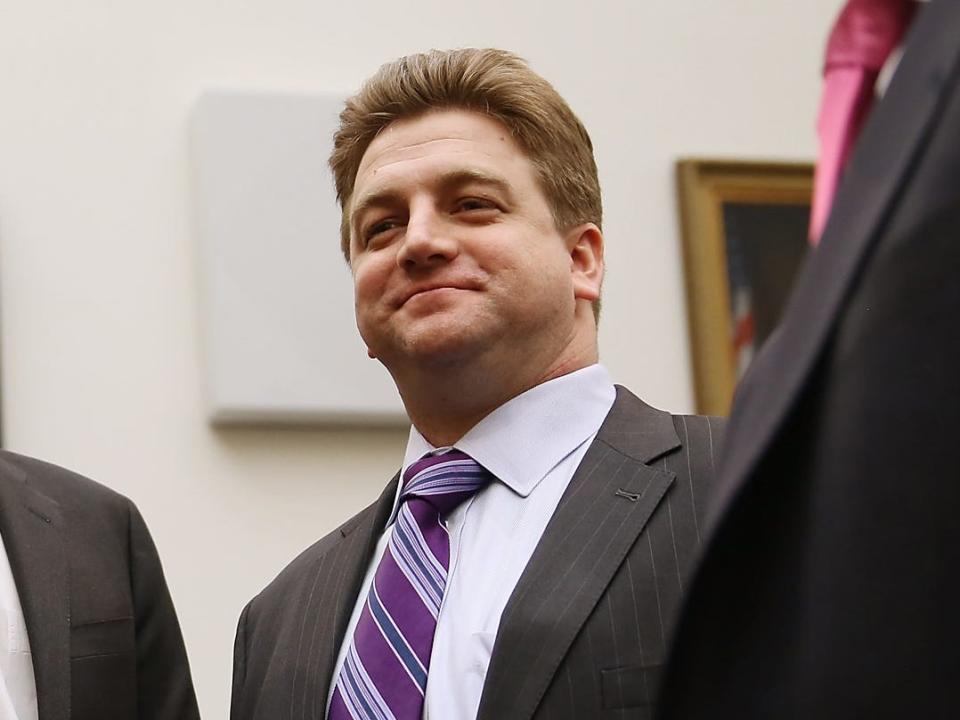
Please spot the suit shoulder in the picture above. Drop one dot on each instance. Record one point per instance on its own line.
(648, 434)
(302, 569)
(705, 431)
(65, 487)
(696, 460)
(701, 435)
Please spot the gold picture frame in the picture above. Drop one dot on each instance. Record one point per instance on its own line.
(731, 210)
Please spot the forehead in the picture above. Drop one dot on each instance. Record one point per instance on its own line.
(439, 141)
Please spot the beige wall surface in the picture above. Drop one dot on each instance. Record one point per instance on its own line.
(101, 361)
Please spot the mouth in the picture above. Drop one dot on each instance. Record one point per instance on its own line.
(434, 289)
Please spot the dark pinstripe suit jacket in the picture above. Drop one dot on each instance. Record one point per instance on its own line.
(585, 631)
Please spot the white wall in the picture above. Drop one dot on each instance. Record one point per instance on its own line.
(100, 355)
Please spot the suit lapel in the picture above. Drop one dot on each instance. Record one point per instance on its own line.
(360, 537)
(893, 139)
(604, 509)
(33, 534)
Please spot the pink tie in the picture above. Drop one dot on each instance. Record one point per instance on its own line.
(862, 39)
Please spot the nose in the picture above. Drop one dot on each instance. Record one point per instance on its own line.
(428, 241)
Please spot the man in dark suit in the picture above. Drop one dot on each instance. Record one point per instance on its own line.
(471, 222)
(99, 622)
(829, 583)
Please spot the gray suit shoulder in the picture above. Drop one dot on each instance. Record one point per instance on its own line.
(300, 570)
(701, 442)
(305, 588)
(704, 433)
(67, 488)
(648, 434)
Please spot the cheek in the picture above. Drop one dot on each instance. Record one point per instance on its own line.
(365, 306)
(545, 268)
(369, 282)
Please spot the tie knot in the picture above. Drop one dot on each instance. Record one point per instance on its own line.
(445, 480)
(867, 31)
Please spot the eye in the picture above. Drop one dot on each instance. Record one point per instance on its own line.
(471, 204)
(378, 229)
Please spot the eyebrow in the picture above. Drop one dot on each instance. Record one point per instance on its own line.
(445, 182)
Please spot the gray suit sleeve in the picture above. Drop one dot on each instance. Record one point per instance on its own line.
(164, 687)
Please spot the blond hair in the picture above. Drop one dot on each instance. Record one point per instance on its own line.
(495, 83)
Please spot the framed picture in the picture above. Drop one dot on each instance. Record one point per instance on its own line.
(744, 227)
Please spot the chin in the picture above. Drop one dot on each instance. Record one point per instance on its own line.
(441, 352)
(435, 348)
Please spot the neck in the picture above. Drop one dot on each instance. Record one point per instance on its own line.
(444, 404)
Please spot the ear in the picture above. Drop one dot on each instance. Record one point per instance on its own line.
(585, 243)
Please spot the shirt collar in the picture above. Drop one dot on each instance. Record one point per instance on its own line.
(526, 437)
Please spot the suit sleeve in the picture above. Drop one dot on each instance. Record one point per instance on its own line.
(239, 665)
(164, 687)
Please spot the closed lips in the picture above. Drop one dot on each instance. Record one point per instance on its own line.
(437, 286)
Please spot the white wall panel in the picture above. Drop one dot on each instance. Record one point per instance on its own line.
(280, 341)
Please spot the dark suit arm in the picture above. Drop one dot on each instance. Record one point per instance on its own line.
(164, 687)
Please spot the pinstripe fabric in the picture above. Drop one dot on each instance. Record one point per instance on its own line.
(288, 636)
(586, 629)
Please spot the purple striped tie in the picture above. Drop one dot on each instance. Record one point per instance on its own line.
(384, 674)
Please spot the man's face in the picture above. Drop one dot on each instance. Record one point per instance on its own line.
(454, 251)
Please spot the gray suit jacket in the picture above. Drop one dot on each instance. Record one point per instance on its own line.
(105, 641)
(584, 632)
